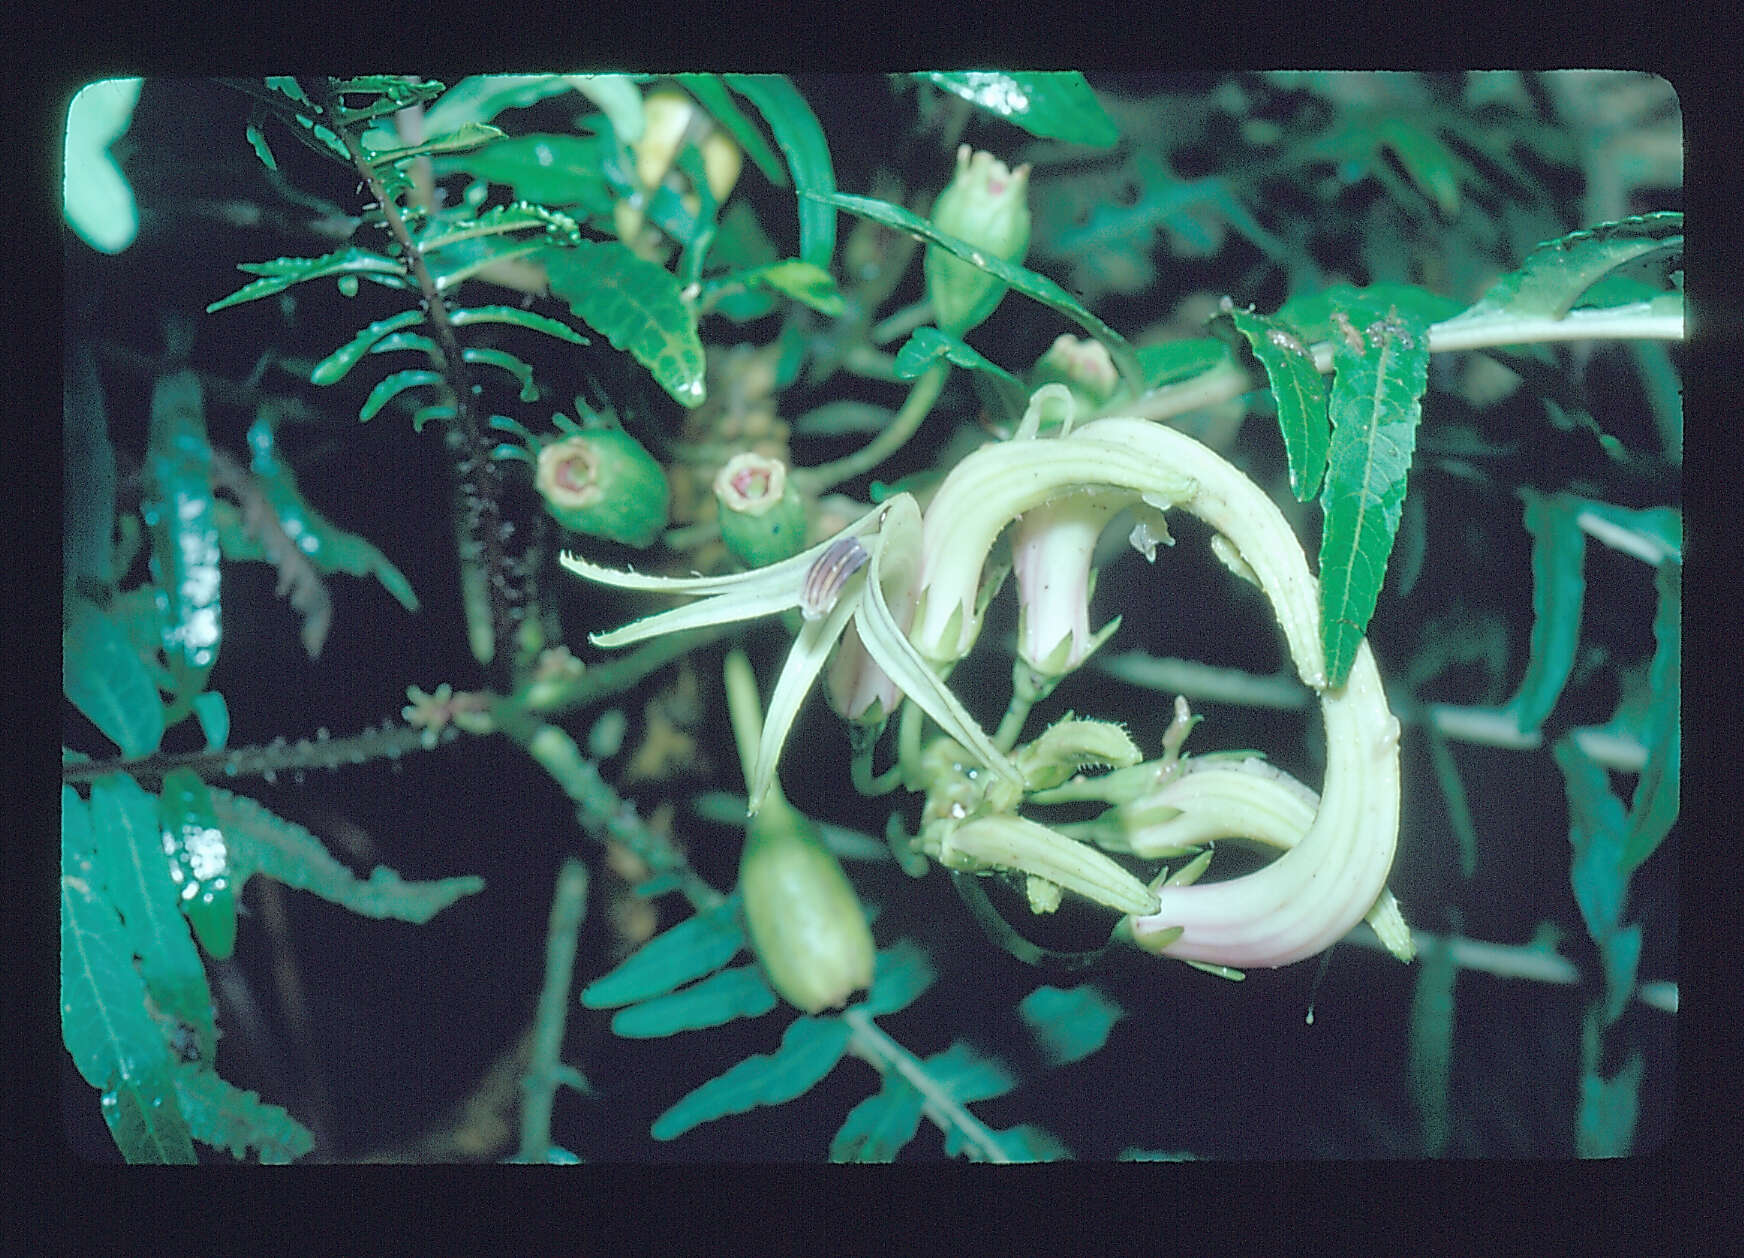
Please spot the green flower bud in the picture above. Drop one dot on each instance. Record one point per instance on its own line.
(603, 483)
(805, 921)
(1084, 367)
(984, 205)
(762, 517)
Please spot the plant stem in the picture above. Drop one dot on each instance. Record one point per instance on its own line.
(814, 480)
(539, 1084)
(872, 1045)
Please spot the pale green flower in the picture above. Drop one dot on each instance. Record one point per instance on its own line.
(832, 590)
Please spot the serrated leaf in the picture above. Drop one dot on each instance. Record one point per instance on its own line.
(1173, 361)
(1311, 313)
(720, 998)
(333, 368)
(1298, 388)
(391, 387)
(809, 1050)
(878, 1128)
(134, 870)
(179, 514)
(281, 273)
(261, 842)
(1654, 807)
(1056, 105)
(469, 135)
(1069, 1023)
(697, 946)
(1558, 592)
(713, 96)
(1556, 273)
(967, 1075)
(638, 307)
(549, 169)
(112, 1040)
(226, 1117)
(104, 677)
(1605, 1127)
(1376, 401)
(899, 976)
(1597, 831)
(499, 220)
(928, 345)
(1025, 281)
(802, 143)
(1430, 1068)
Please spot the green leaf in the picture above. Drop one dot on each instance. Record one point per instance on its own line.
(226, 1117)
(1027, 282)
(325, 545)
(1430, 1070)
(133, 868)
(333, 368)
(392, 387)
(1597, 831)
(967, 1076)
(802, 281)
(104, 677)
(1431, 165)
(1173, 361)
(697, 946)
(1620, 953)
(1651, 534)
(1605, 1127)
(737, 993)
(549, 169)
(1459, 814)
(928, 345)
(281, 273)
(263, 843)
(637, 305)
(1298, 388)
(214, 718)
(499, 220)
(714, 97)
(481, 97)
(1054, 105)
(180, 516)
(1026, 1143)
(469, 135)
(112, 1040)
(802, 143)
(809, 1050)
(1376, 401)
(1558, 591)
(520, 318)
(1311, 314)
(199, 861)
(1557, 272)
(1069, 1023)
(878, 1128)
(900, 974)
(1654, 807)
(507, 362)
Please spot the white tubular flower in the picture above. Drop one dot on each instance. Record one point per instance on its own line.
(1050, 556)
(853, 576)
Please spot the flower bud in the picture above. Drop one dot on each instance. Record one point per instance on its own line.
(762, 516)
(805, 921)
(604, 484)
(1084, 367)
(984, 205)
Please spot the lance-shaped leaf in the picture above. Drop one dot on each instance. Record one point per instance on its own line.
(1057, 105)
(110, 1036)
(697, 946)
(1558, 590)
(928, 345)
(1025, 281)
(637, 305)
(720, 998)
(878, 1128)
(809, 1050)
(281, 273)
(548, 169)
(469, 135)
(1298, 388)
(1655, 804)
(134, 869)
(226, 1117)
(1376, 401)
(179, 513)
(710, 91)
(1557, 272)
(802, 142)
